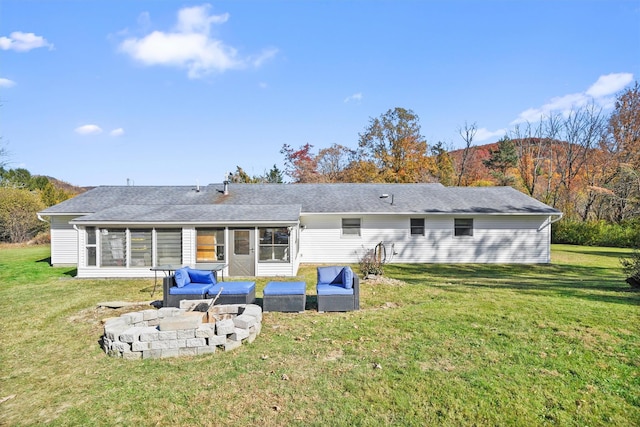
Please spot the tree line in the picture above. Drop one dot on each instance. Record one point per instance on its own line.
(585, 163)
(22, 195)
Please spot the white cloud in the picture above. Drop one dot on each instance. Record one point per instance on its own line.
(117, 132)
(189, 45)
(6, 82)
(609, 84)
(88, 130)
(599, 93)
(197, 19)
(23, 42)
(355, 97)
(263, 57)
(483, 134)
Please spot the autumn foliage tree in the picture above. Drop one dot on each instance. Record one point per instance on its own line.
(18, 219)
(301, 164)
(393, 143)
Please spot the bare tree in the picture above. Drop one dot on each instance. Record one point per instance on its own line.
(533, 154)
(467, 133)
(333, 161)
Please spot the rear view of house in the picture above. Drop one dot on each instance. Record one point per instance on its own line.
(269, 229)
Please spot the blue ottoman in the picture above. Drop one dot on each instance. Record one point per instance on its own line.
(284, 296)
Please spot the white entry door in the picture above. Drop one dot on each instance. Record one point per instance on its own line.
(242, 260)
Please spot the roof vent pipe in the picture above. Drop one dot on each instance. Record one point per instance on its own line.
(225, 190)
(197, 185)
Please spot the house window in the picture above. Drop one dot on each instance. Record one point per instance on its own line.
(417, 226)
(169, 246)
(351, 226)
(274, 244)
(463, 227)
(210, 245)
(113, 247)
(91, 247)
(140, 248)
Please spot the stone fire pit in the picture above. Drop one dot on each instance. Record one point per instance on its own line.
(171, 332)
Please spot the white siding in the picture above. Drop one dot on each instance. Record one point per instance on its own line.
(64, 241)
(496, 239)
(270, 269)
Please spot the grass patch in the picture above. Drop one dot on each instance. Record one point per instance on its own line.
(443, 345)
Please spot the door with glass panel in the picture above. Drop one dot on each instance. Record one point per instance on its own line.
(242, 257)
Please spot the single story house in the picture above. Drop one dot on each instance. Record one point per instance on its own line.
(269, 229)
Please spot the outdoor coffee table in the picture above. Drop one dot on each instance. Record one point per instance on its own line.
(284, 296)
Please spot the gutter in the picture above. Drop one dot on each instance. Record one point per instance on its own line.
(553, 221)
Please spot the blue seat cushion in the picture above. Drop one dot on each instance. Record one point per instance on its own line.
(201, 276)
(285, 288)
(191, 289)
(232, 288)
(181, 277)
(333, 290)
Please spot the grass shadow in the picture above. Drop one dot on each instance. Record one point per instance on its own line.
(591, 283)
(598, 252)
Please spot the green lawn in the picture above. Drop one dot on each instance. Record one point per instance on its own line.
(444, 345)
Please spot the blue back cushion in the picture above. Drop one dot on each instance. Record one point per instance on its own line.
(182, 277)
(330, 275)
(347, 277)
(201, 276)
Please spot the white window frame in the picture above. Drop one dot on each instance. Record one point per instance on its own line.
(351, 231)
(415, 227)
(463, 227)
(271, 246)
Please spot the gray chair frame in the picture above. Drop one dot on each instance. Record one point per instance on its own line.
(341, 302)
(169, 300)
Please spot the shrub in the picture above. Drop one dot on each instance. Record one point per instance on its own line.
(631, 267)
(370, 264)
(41, 238)
(596, 233)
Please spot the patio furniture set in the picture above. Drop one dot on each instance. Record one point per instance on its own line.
(338, 289)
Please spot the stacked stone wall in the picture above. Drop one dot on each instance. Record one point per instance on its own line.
(171, 332)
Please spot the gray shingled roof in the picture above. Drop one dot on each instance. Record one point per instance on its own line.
(271, 202)
(193, 213)
(105, 197)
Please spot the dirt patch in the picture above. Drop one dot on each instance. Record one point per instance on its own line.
(96, 316)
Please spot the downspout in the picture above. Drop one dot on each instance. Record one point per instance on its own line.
(40, 218)
(557, 219)
(551, 221)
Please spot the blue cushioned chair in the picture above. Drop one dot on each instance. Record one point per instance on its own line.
(187, 283)
(338, 289)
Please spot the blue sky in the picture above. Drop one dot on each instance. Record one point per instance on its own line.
(179, 92)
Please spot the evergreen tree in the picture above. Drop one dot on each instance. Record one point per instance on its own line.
(501, 160)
